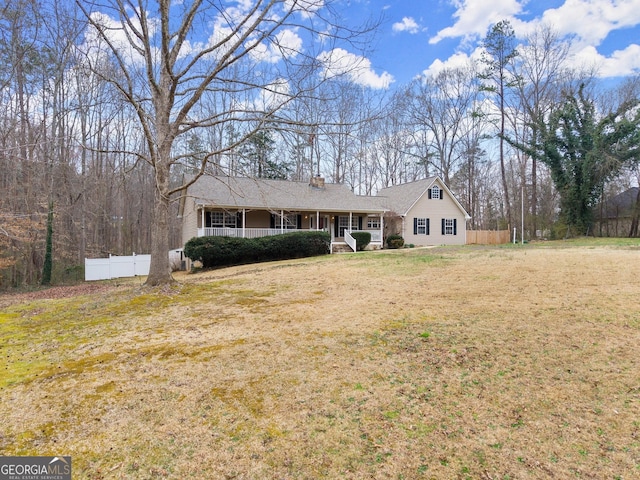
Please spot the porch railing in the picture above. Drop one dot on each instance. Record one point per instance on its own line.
(241, 232)
(350, 240)
(376, 235)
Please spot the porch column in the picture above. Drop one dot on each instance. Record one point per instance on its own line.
(244, 221)
(381, 231)
(203, 230)
(350, 220)
(317, 219)
(281, 221)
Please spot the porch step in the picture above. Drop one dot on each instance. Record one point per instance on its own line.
(341, 248)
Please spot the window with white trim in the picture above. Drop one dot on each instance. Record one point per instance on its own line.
(290, 221)
(373, 223)
(221, 220)
(449, 226)
(343, 224)
(436, 193)
(421, 226)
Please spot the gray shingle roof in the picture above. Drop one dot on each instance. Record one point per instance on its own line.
(400, 198)
(240, 192)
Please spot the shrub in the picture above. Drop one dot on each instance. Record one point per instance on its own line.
(227, 251)
(362, 239)
(395, 241)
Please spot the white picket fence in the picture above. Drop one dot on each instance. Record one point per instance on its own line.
(116, 267)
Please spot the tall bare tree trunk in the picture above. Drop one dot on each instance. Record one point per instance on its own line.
(160, 268)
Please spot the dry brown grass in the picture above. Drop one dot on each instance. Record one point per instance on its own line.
(479, 363)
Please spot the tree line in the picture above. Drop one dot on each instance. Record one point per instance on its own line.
(110, 110)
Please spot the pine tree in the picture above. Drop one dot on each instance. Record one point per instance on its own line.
(499, 53)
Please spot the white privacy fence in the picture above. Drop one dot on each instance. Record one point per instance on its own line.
(116, 267)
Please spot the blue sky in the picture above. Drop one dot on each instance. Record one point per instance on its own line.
(421, 36)
(418, 37)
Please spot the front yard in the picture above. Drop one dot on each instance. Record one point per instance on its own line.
(461, 362)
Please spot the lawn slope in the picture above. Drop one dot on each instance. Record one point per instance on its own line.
(468, 362)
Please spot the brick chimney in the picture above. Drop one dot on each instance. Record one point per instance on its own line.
(317, 182)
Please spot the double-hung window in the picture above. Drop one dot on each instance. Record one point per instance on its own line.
(449, 226)
(221, 220)
(290, 221)
(373, 223)
(421, 226)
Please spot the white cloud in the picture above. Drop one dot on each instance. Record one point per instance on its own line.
(474, 17)
(114, 31)
(408, 24)
(274, 95)
(357, 68)
(621, 62)
(307, 8)
(287, 44)
(592, 20)
(587, 22)
(457, 60)
(222, 37)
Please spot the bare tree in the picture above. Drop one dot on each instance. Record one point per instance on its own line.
(540, 70)
(167, 64)
(439, 105)
(390, 149)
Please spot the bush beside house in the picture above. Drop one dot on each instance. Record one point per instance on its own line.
(362, 239)
(395, 241)
(228, 251)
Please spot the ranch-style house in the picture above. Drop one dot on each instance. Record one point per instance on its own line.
(249, 207)
(424, 212)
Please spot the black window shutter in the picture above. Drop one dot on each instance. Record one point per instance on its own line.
(427, 226)
(299, 222)
(415, 226)
(443, 226)
(455, 226)
(272, 221)
(429, 194)
(359, 223)
(336, 226)
(238, 219)
(441, 194)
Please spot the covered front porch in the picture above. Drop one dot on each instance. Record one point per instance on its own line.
(249, 223)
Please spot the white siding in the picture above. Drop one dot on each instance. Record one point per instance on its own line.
(435, 210)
